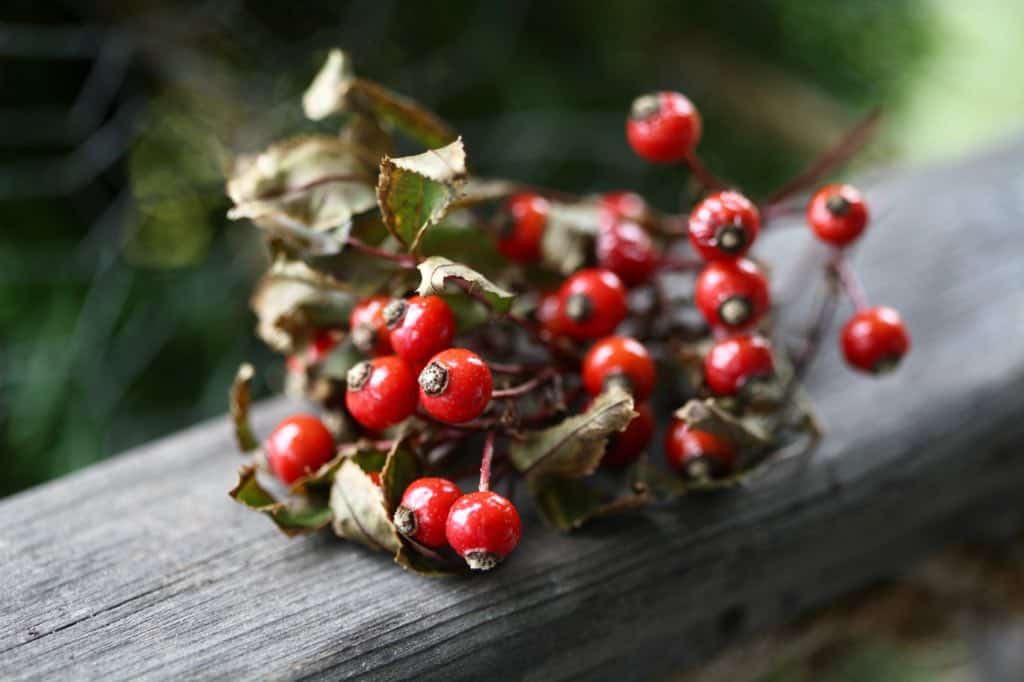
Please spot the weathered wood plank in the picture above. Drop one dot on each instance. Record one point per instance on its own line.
(142, 567)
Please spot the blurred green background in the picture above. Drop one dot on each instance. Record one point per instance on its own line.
(124, 290)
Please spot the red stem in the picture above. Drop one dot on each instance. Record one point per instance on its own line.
(850, 144)
(485, 462)
(707, 179)
(526, 386)
(850, 281)
(407, 261)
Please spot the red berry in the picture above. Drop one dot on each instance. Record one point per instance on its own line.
(548, 312)
(368, 330)
(724, 225)
(617, 358)
(837, 214)
(381, 392)
(626, 249)
(732, 294)
(483, 528)
(521, 237)
(663, 127)
(423, 513)
(698, 454)
(421, 327)
(592, 304)
(299, 445)
(616, 206)
(455, 386)
(624, 447)
(875, 340)
(733, 363)
(324, 341)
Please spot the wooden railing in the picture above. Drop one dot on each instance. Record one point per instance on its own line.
(142, 566)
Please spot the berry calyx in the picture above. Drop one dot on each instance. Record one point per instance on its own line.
(616, 206)
(380, 392)
(624, 447)
(592, 304)
(420, 327)
(299, 445)
(521, 234)
(626, 249)
(837, 214)
(723, 226)
(875, 340)
(663, 127)
(698, 455)
(736, 363)
(619, 358)
(483, 528)
(455, 386)
(423, 512)
(368, 331)
(732, 294)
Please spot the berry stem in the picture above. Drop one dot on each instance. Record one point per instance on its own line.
(849, 280)
(485, 462)
(680, 264)
(708, 181)
(849, 145)
(816, 332)
(526, 386)
(404, 261)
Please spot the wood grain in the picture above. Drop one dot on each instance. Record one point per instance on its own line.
(142, 567)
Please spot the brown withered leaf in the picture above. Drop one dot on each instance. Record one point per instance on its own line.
(303, 184)
(291, 518)
(359, 512)
(415, 192)
(292, 300)
(706, 415)
(568, 233)
(575, 446)
(567, 504)
(336, 89)
(436, 270)
(240, 400)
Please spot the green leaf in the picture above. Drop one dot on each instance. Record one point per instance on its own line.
(240, 400)
(568, 503)
(301, 185)
(336, 89)
(414, 192)
(437, 270)
(401, 468)
(575, 446)
(359, 512)
(292, 301)
(290, 519)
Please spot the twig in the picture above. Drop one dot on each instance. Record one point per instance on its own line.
(485, 462)
(407, 261)
(526, 386)
(849, 280)
(849, 145)
(708, 181)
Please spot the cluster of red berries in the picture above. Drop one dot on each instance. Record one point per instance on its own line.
(482, 527)
(453, 385)
(411, 367)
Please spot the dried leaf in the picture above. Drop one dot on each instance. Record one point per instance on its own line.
(336, 89)
(569, 230)
(706, 415)
(401, 468)
(306, 183)
(291, 519)
(575, 446)
(359, 512)
(241, 398)
(292, 300)
(436, 270)
(411, 559)
(415, 192)
(329, 90)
